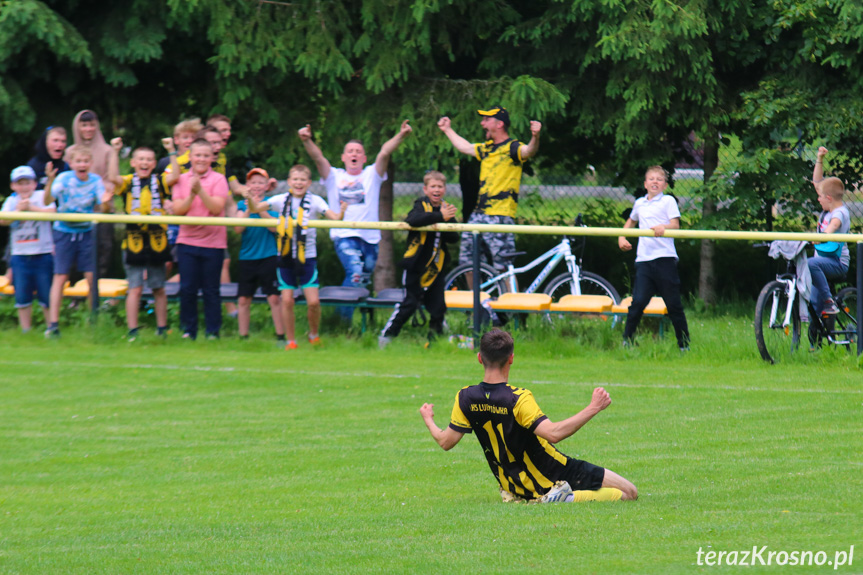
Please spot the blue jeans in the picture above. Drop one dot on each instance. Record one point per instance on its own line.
(29, 274)
(822, 270)
(200, 269)
(358, 258)
(657, 277)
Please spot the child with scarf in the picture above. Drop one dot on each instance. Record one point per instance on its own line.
(297, 247)
(145, 248)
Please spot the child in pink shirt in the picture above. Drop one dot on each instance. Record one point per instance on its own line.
(201, 192)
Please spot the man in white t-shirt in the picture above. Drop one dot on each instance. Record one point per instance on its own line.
(359, 186)
(656, 257)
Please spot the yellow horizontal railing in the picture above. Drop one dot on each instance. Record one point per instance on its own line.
(517, 229)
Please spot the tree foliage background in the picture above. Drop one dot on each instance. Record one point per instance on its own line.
(619, 85)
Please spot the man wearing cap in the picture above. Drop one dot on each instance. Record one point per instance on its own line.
(501, 159)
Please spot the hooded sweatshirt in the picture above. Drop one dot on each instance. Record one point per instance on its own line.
(41, 159)
(98, 147)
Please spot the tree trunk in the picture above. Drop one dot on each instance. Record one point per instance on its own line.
(707, 273)
(385, 270)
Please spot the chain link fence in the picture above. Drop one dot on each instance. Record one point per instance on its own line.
(773, 192)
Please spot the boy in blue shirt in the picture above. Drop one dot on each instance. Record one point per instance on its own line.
(77, 192)
(258, 258)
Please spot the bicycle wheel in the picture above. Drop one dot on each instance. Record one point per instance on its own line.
(776, 341)
(846, 320)
(461, 278)
(591, 284)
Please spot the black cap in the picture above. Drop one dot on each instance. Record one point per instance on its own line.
(498, 112)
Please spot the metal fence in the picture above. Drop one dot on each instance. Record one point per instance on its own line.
(750, 192)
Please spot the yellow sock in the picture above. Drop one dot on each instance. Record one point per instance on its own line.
(601, 494)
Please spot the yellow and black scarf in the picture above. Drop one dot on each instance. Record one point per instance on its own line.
(145, 243)
(291, 235)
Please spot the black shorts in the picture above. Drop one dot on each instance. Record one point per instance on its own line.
(583, 476)
(255, 273)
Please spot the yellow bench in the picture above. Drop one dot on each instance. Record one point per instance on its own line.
(108, 287)
(462, 299)
(520, 302)
(599, 304)
(656, 308)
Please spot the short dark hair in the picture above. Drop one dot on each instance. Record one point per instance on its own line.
(495, 347)
(218, 118)
(301, 169)
(201, 142)
(88, 116)
(208, 129)
(143, 149)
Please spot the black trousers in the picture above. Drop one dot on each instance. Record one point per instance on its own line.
(657, 277)
(432, 298)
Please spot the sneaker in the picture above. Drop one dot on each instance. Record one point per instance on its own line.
(830, 308)
(188, 335)
(315, 340)
(383, 341)
(132, 335)
(52, 333)
(557, 494)
(212, 337)
(291, 345)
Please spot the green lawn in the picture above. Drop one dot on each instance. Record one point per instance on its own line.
(238, 457)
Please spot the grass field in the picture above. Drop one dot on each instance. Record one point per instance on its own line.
(237, 457)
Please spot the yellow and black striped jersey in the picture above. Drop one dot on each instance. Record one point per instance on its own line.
(220, 165)
(499, 177)
(504, 418)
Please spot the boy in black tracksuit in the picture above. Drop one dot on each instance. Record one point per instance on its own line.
(424, 260)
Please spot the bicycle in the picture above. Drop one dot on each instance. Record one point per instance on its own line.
(778, 322)
(575, 281)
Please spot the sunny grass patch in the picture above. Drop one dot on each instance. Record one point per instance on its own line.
(233, 457)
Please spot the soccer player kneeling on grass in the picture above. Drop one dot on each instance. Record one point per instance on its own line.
(518, 438)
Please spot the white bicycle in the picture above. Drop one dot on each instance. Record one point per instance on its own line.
(575, 281)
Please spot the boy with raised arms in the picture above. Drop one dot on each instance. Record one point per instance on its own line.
(77, 192)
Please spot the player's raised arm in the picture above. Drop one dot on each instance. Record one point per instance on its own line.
(559, 431)
(447, 438)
